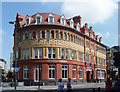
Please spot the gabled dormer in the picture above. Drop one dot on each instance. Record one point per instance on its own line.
(62, 20)
(38, 19)
(50, 19)
(27, 20)
(78, 26)
(71, 23)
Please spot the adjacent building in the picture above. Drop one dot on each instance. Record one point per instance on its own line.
(49, 47)
(112, 71)
(2, 64)
(11, 60)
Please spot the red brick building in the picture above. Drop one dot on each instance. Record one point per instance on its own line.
(50, 47)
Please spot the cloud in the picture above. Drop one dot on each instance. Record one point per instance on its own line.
(105, 35)
(91, 11)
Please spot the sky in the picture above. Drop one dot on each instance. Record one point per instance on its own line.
(102, 15)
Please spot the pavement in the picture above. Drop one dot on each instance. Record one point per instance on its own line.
(86, 87)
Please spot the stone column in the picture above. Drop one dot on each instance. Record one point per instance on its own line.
(44, 52)
(57, 53)
(21, 57)
(40, 34)
(32, 53)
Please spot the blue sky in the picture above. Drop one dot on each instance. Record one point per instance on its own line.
(103, 19)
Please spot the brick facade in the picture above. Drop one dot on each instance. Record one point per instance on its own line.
(74, 42)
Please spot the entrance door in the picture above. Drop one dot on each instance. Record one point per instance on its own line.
(37, 73)
(88, 74)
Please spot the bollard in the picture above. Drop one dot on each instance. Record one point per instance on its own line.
(93, 90)
(98, 89)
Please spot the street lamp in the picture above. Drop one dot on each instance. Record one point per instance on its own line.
(14, 22)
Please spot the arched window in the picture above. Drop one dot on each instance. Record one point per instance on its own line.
(51, 19)
(62, 20)
(38, 18)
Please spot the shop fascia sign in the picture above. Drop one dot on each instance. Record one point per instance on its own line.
(88, 68)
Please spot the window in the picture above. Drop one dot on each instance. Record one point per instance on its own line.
(80, 73)
(23, 37)
(36, 53)
(68, 37)
(27, 20)
(87, 33)
(66, 54)
(51, 19)
(54, 51)
(27, 52)
(34, 35)
(78, 27)
(57, 35)
(80, 56)
(62, 54)
(49, 52)
(47, 35)
(87, 58)
(73, 38)
(71, 23)
(40, 53)
(72, 55)
(64, 71)
(87, 44)
(30, 35)
(64, 36)
(92, 46)
(38, 36)
(25, 72)
(74, 72)
(38, 18)
(92, 59)
(37, 73)
(24, 54)
(62, 20)
(16, 54)
(96, 60)
(52, 34)
(51, 71)
(75, 56)
(43, 34)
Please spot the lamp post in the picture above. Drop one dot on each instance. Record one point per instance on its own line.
(15, 32)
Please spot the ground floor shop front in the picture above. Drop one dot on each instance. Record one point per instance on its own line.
(50, 72)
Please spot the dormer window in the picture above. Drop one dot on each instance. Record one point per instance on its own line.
(51, 19)
(71, 23)
(78, 27)
(27, 20)
(87, 33)
(62, 20)
(38, 19)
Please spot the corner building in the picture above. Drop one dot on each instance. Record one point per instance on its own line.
(50, 47)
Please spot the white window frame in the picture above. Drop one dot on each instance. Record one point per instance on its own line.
(50, 16)
(27, 54)
(47, 36)
(74, 70)
(36, 49)
(38, 15)
(66, 54)
(25, 68)
(24, 54)
(38, 68)
(62, 20)
(52, 70)
(54, 52)
(40, 53)
(68, 37)
(49, 53)
(64, 68)
(82, 73)
(64, 36)
(38, 35)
